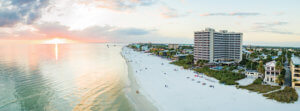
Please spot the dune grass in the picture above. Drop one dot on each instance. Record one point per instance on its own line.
(287, 95)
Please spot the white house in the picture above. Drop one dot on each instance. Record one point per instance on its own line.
(271, 73)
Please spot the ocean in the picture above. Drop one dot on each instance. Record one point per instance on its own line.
(63, 77)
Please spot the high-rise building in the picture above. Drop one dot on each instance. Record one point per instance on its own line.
(295, 71)
(218, 47)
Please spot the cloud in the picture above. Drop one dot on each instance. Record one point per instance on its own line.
(90, 34)
(269, 24)
(242, 14)
(272, 27)
(8, 18)
(133, 31)
(168, 12)
(20, 11)
(103, 33)
(119, 5)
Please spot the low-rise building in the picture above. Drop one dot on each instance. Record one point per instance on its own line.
(145, 48)
(180, 56)
(187, 51)
(253, 73)
(295, 71)
(173, 46)
(271, 73)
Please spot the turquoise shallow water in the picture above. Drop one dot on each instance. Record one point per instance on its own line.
(84, 77)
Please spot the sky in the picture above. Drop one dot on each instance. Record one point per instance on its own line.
(263, 22)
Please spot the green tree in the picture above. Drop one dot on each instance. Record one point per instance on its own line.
(161, 53)
(201, 62)
(190, 59)
(269, 58)
(169, 54)
(280, 79)
(279, 66)
(261, 68)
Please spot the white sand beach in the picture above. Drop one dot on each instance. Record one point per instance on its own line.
(171, 88)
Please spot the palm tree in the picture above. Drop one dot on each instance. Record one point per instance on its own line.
(261, 68)
(279, 66)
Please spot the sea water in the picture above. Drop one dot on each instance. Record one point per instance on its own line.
(63, 77)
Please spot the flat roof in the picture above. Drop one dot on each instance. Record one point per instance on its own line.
(296, 60)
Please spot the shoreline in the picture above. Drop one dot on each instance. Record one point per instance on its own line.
(185, 92)
(139, 101)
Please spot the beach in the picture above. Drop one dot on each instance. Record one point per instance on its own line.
(171, 88)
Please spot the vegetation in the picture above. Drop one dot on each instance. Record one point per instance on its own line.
(244, 60)
(133, 47)
(251, 65)
(257, 86)
(224, 76)
(279, 66)
(261, 68)
(258, 81)
(287, 95)
(201, 62)
(186, 63)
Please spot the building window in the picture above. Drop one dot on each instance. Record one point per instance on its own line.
(271, 79)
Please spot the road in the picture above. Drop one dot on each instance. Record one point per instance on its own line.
(288, 80)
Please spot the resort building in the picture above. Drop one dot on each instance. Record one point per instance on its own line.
(271, 73)
(295, 71)
(173, 46)
(218, 47)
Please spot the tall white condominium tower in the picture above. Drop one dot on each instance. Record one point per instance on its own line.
(218, 47)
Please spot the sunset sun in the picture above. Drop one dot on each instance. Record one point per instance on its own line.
(56, 41)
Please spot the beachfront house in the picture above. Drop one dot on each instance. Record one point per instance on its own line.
(253, 73)
(271, 73)
(295, 71)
